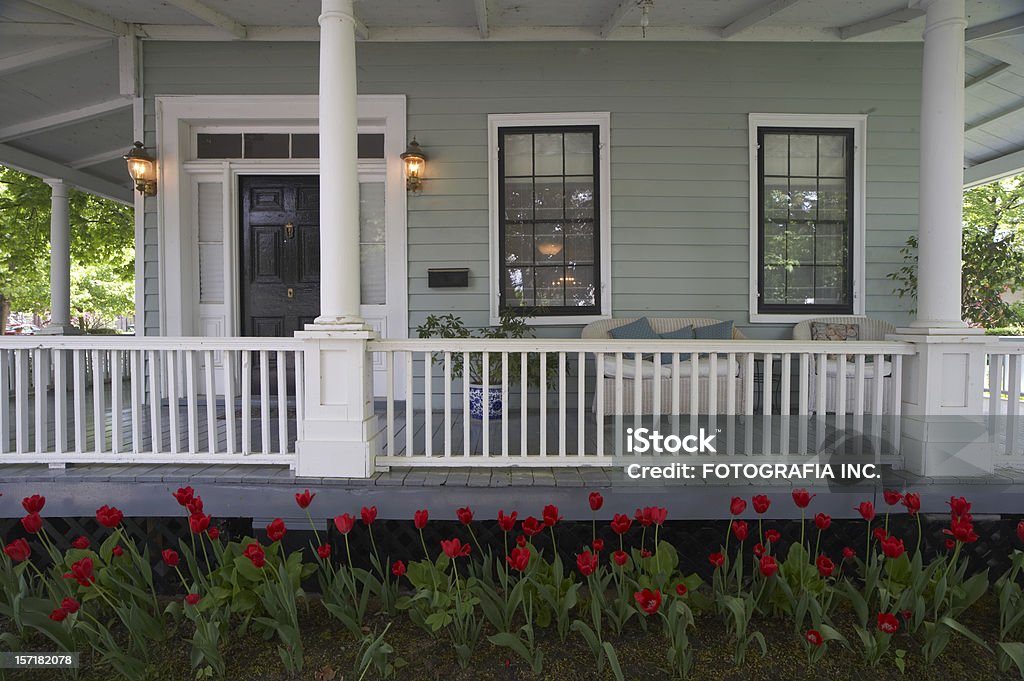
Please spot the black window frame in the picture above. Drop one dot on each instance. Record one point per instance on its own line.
(550, 310)
(815, 308)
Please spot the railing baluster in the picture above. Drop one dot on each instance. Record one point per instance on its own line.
(638, 399)
(859, 383)
(841, 380)
(156, 426)
(543, 404)
(389, 396)
(264, 401)
(486, 407)
(822, 376)
(211, 402)
(447, 403)
(81, 406)
(300, 395)
(879, 386)
(60, 402)
(5, 402)
(561, 404)
(428, 405)
(767, 366)
(135, 363)
(619, 402)
(172, 373)
(116, 402)
(524, 403)
(192, 400)
(581, 391)
(713, 381)
(896, 397)
(656, 387)
(504, 405)
(40, 377)
(410, 412)
(1013, 380)
(246, 400)
(465, 404)
(99, 415)
(21, 400)
(599, 383)
(694, 390)
(228, 367)
(785, 402)
(282, 401)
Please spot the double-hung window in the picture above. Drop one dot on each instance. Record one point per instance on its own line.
(549, 216)
(808, 216)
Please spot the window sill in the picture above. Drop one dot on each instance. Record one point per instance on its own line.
(558, 320)
(793, 318)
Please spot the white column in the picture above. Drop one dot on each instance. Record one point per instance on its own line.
(339, 179)
(942, 169)
(60, 261)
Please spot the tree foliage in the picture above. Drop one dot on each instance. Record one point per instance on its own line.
(102, 251)
(993, 254)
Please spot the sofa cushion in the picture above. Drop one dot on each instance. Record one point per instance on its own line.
(719, 331)
(637, 330)
(685, 333)
(825, 331)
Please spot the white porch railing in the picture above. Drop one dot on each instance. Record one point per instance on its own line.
(1004, 393)
(150, 400)
(575, 403)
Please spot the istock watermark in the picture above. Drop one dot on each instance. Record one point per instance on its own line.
(647, 441)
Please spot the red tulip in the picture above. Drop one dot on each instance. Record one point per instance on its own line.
(866, 510)
(368, 514)
(878, 533)
(848, 553)
(254, 552)
(962, 531)
(643, 516)
(892, 547)
(32, 523)
(18, 550)
(344, 523)
(170, 557)
(740, 529)
(108, 516)
(213, 533)
(532, 527)
(620, 558)
(398, 569)
(801, 498)
(737, 506)
(192, 599)
(507, 523)
(117, 551)
(81, 543)
(813, 637)
(892, 497)
(519, 558)
(825, 566)
(198, 523)
(586, 562)
(950, 544)
(419, 519)
(1020, 531)
(758, 550)
(521, 540)
(621, 523)
(276, 530)
(81, 571)
(717, 559)
(304, 499)
(768, 566)
(33, 504)
(194, 505)
(681, 589)
(70, 605)
(465, 515)
(644, 553)
(324, 551)
(596, 501)
(184, 495)
(772, 536)
(597, 545)
(58, 615)
(822, 521)
(453, 548)
(648, 600)
(550, 515)
(958, 508)
(761, 503)
(912, 500)
(658, 515)
(887, 623)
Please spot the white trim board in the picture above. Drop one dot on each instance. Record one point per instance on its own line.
(858, 123)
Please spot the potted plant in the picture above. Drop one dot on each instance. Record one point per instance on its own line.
(511, 325)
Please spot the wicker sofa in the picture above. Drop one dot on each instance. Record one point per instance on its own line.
(607, 374)
(869, 330)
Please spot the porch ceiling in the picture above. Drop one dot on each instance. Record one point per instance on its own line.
(67, 75)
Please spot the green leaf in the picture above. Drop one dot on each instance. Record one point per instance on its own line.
(613, 661)
(1015, 651)
(506, 640)
(964, 631)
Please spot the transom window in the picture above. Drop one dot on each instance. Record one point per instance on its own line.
(549, 245)
(808, 217)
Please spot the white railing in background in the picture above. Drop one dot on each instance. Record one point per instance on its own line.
(577, 414)
(1004, 392)
(149, 400)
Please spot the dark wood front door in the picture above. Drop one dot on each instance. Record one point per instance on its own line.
(280, 222)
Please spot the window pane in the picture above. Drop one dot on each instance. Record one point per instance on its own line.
(579, 153)
(518, 244)
(579, 197)
(548, 198)
(579, 242)
(803, 203)
(547, 154)
(776, 198)
(550, 243)
(832, 156)
(266, 145)
(803, 155)
(550, 283)
(519, 287)
(579, 286)
(832, 200)
(518, 154)
(305, 145)
(830, 241)
(372, 249)
(776, 154)
(209, 145)
(373, 281)
(519, 199)
(370, 145)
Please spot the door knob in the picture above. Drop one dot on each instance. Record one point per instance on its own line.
(289, 231)
(291, 293)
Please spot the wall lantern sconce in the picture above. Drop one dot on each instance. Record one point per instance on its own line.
(415, 163)
(142, 168)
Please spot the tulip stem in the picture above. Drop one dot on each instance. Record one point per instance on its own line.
(554, 546)
(867, 548)
(472, 535)
(426, 554)
(817, 544)
(803, 517)
(918, 549)
(311, 524)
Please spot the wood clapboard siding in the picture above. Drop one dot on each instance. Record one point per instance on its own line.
(679, 150)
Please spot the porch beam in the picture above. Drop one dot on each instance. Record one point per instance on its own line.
(83, 15)
(212, 16)
(994, 117)
(996, 29)
(96, 159)
(618, 15)
(32, 164)
(48, 29)
(128, 64)
(995, 49)
(994, 169)
(59, 120)
(48, 54)
(482, 18)
(985, 75)
(756, 16)
(900, 16)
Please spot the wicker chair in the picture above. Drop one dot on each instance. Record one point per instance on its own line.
(870, 330)
(607, 373)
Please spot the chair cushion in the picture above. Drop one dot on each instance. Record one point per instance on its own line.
(824, 331)
(851, 368)
(638, 330)
(647, 368)
(685, 333)
(719, 331)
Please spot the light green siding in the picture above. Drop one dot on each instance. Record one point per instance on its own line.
(680, 225)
